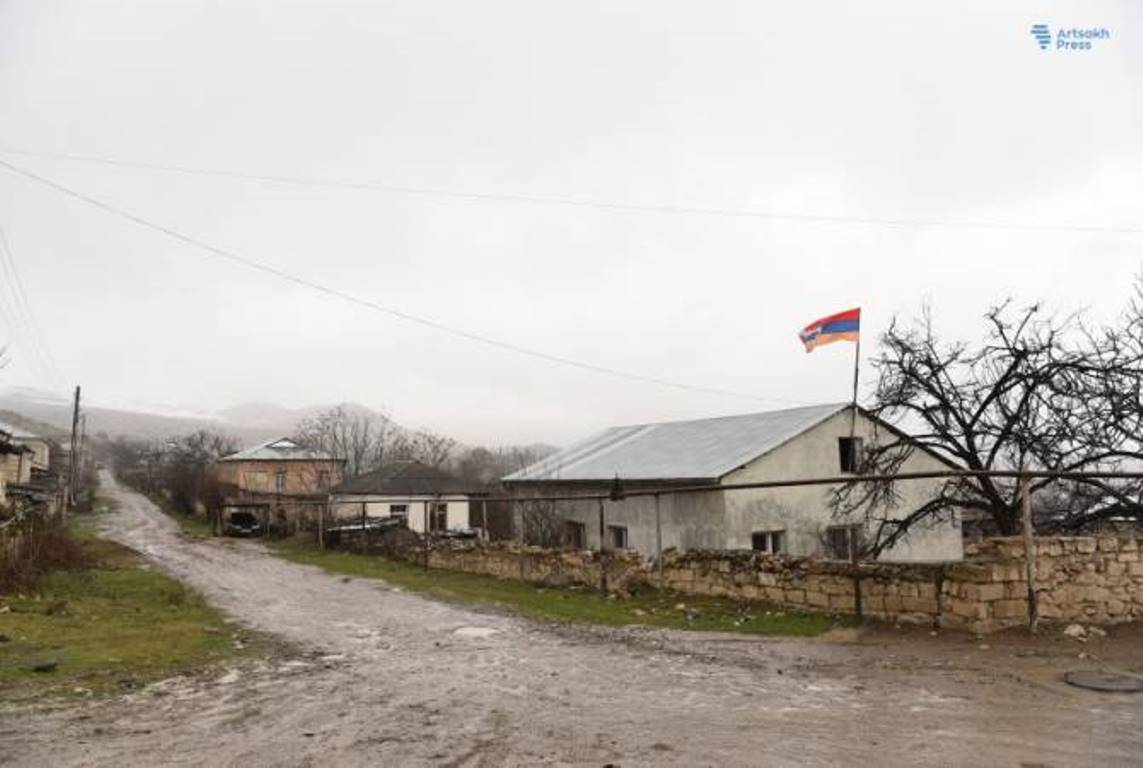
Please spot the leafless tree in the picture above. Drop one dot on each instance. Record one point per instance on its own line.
(361, 438)
(543, 524)
(423, 445)
(1039, 393)
(487, 466)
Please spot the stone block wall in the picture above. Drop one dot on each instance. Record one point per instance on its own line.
(1079, 579)
(509, 560)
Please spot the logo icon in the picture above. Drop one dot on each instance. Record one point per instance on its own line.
(1043, 36)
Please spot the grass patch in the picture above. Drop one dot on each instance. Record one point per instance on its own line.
(582, 606)
(111, 627)
(192, 527)
(104, 504)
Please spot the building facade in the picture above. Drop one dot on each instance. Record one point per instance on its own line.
(282, 482)
(425, 497)
(799, 443)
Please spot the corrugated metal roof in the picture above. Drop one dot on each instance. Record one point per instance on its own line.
(405, 478)
(704, 449)
(279, 449)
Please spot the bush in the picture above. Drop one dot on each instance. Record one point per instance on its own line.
(32, 547)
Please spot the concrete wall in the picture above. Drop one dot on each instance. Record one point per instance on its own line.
(691, 521)
(15, 467)
(41, 450)
(803, 512)
(345, 506)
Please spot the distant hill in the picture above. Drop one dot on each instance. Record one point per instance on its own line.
(55, 412)
(248, 423)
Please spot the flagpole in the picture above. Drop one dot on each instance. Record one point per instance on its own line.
(856, 370)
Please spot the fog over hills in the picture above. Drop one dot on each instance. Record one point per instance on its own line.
(248, 423)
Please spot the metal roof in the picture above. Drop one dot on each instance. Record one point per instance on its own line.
(404, 478)
(703, 449)
(279, 449)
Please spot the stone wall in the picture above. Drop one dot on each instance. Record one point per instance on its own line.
(1090, 580)
(1079, 579)
(509, 560)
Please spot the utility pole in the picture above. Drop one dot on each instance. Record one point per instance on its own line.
(74, 450)
(83, 448)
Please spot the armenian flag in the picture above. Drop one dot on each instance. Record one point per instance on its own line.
(844, 326)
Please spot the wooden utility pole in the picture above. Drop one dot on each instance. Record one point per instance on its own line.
(1029, 552)
(71, 462)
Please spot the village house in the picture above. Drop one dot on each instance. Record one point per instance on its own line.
(39, 456)
(809, 442)
(280, 481)
(15, 464)
(412, 491)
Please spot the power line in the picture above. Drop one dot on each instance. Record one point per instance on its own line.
(35, 345)
(555, 200)
(371, 305)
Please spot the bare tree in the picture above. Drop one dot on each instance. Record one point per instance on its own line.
(425, 446)
(361, 438)
(1039, 393)
(487, 466)
(543, 524)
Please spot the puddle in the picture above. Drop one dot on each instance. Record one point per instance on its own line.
(478, 633)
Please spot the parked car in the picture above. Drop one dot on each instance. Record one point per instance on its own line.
(241, 524)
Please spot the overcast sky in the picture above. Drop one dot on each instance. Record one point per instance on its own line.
(900, 111)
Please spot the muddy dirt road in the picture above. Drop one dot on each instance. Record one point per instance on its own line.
(388, 678)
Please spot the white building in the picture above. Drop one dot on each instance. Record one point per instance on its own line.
(799, 443)
(407, 489)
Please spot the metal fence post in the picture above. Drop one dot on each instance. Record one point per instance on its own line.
(602, 549)
(659, 541)
(1029, 551)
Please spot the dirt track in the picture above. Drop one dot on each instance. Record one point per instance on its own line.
(389, 678)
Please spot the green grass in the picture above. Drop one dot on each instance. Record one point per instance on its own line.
(582, 606)
(191, 527)
(103, 504)
(112, 627)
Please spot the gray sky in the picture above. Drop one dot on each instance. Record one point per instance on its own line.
(887, 110)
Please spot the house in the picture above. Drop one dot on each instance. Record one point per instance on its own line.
(40, 447)
(410, 490)
(283, 482)
(26, 472)
(798, 443)
(15, 465)
(15, 460)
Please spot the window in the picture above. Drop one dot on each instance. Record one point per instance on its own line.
(575, 534)
(844, 542)
(280, 481)
(850, 451)
(768, 541)
(259, 482)
(438, 516)
(617, 536)
(399, 510)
